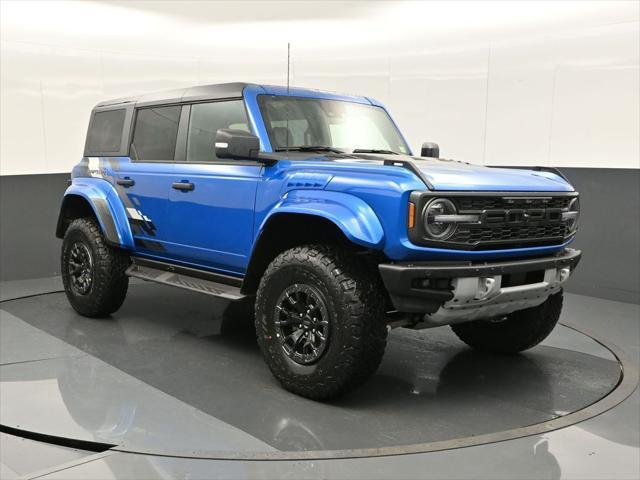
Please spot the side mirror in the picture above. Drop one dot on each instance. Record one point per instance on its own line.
(430, 149)
(236, 144)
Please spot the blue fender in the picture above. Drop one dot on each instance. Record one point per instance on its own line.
(352, 215)
(107, 206)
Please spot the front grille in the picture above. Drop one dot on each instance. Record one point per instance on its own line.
(496, 233)
(472, 234)
(504, 203)
(501, 220)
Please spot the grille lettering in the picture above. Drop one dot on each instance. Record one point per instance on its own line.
(516, 216)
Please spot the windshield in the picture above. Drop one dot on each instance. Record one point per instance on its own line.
(294, 122)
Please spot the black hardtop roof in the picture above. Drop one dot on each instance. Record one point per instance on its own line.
(189, 94)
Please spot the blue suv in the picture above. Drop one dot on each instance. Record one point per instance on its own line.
(311, 206)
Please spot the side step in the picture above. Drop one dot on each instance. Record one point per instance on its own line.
(187, 278)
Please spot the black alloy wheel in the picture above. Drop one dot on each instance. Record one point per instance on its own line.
(302, 323)
(80, 268)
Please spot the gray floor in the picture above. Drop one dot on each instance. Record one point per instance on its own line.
(161, 378)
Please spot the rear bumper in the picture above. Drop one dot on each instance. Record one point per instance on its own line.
(414, 287)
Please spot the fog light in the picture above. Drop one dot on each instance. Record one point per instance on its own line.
(485, 287)
(432, 283)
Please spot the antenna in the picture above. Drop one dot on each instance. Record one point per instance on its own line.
(288, 65)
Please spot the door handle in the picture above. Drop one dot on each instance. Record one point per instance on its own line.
(183, 186)
(126, 182)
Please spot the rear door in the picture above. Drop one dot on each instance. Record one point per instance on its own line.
(143, 182)
(211, 201)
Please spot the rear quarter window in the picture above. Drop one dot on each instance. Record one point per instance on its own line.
(105, 131)
(155, 133)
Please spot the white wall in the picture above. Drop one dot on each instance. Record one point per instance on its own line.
(545, 83)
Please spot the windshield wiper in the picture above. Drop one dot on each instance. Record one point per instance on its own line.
(310, 148)
(374, 150)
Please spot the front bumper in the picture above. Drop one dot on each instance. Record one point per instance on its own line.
(450, 292)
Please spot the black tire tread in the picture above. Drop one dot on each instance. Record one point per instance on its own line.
(110, 283)
(362, 294)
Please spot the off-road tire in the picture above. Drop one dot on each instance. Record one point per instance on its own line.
(355, 305)
(109, 283)
(520, 330)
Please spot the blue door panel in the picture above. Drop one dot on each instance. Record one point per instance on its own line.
(212, 225)
(146, 201)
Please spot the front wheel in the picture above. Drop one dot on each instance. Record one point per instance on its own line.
(93, 273)
(515, 332)
(320, 321)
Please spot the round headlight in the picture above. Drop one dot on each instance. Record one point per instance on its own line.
(573, 215)
(435, 227)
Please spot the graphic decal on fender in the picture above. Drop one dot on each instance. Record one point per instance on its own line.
(95, 168)
(140, 223)
(135, 214)
(149, 244)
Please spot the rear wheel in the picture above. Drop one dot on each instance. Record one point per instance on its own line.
(515, 332)
(93, 273)
(320, 321)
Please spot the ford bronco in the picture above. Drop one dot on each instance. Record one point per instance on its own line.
(310, 206)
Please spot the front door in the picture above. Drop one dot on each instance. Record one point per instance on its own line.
(211, 200)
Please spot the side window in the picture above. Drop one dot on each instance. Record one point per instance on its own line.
(155, 133)
(105, 132)
(206, 119)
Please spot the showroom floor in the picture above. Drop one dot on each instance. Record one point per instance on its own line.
(173, 385)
